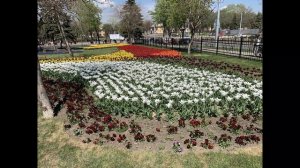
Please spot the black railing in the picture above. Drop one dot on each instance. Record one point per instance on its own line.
(235, 46)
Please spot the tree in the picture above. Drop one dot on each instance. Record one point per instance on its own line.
(231, 15)
(55, 11)
(88, 17)
(162, 13)
(207, 23)
(51, 11)
(234, 23)
(258, 21)
(147, 25)
(131, 19)
(108, 29)
(190, 12)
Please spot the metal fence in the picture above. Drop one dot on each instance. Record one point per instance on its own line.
(235, 46)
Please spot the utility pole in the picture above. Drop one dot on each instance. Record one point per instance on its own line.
(218, 20)
(241, 23)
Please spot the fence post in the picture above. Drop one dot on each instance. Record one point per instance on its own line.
(217, 45)
(241, 45)
(166, 43)
(201, 44)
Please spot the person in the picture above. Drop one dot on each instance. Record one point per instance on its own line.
(258, 46)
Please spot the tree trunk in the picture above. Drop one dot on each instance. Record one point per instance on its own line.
(53, 42)
(129, 38)
(42, 96)
(61, 41)
(62, 32)
(91, 34)
(54, 47)
(169, 33)
(190, 43)
(98, 38)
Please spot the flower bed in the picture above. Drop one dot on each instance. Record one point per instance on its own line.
(99, 46)
(148, 89)
(91, 124)
(116, 56)
(146, 52)
(210, 65)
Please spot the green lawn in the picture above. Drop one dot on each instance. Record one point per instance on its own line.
(85, 53)
(57, 149)
(228, 59)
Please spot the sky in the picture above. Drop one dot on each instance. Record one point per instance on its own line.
(110, 12)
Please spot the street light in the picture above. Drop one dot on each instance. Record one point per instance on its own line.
(241, 24)
(182, 31)
(218, 19)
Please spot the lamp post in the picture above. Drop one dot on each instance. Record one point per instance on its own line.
(241, 24)
(182, 32)
(218, 20)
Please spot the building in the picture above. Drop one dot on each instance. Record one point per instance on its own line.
(157, 29)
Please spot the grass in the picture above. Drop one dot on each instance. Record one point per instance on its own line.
(57, 149)
(86, 53)
(228, 59)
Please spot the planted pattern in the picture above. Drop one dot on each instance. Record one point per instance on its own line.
(142, 88)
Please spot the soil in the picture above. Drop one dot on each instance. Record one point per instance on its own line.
(164, 141)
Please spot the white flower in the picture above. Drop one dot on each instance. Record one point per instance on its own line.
(217, 100)
(228, 98)
(114, 97)
(231, 90)
(134, 99)
(237, 96)
(150, 92)
(182, 101)
(166, 81)
(148, 102)
(156, 101)
(169, 105)
(245, 96)
(196, 100)
(223, 93)
(93, 83)
(101, 95)
(239, 89)
(166, 96)
(154, 95)
(130, 93)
